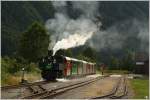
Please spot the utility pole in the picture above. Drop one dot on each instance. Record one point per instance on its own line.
(102, 68)
(22, 77)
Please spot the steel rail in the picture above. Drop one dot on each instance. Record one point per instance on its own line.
(54, 92)
(58, 92)
(114, 90)
(125, 91)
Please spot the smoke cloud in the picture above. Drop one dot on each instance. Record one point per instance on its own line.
(73, 40)
(69, 32)
(89, 9)
(130, 34)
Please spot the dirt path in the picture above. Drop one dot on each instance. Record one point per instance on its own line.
(98, 88)
(24, 91)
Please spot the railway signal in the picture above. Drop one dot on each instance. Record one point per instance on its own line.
(22, 77)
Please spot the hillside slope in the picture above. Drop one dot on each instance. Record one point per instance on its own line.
(16, 17)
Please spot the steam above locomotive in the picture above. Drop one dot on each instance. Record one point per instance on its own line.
(58, 66)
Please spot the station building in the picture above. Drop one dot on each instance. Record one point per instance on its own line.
(142, 63)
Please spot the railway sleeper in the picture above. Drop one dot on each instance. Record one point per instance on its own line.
(122, 93)
(44, 93)
(36, 89)
(58, 92)
(111, 93)
(53, 92)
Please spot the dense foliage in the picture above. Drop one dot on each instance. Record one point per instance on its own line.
(87, 54)
(12, 68)
(14, 65)
(34, 43)
(16, 17)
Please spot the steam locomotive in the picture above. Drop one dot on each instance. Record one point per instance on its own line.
(59, 66)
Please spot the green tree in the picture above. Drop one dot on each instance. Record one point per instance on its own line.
(64, 52)
(68, 52)
(90, 54)
(128, 60)
(114, 63)
(34, 43)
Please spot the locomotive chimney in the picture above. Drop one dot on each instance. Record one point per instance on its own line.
(50, 52)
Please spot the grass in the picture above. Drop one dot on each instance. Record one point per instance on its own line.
(98, 72)
(11, 71)
(15, 79)
(112, 72)
(140, 87)
(117, 71)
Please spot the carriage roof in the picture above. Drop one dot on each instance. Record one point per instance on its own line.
(73, 59)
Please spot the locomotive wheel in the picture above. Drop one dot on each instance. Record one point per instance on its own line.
(59, 74)
(49, 75)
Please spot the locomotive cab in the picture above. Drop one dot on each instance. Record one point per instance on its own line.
(51, 66)
(47, 68)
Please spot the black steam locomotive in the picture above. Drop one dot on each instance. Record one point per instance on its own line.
(57, 66)
(49, 66)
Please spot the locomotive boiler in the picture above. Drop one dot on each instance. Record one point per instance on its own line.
(58, 66)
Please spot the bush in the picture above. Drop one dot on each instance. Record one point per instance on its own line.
(11, 68)
(32, 67)
(13, 65)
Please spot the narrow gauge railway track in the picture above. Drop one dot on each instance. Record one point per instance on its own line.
(123, 90)
(24, 85)
(120, 87)
(57, 91)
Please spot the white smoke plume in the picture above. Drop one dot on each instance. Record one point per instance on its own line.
(73, 40)
(69, 32)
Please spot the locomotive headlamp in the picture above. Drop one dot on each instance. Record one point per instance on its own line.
(22, 69)
(43, 59)
(54, 61)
